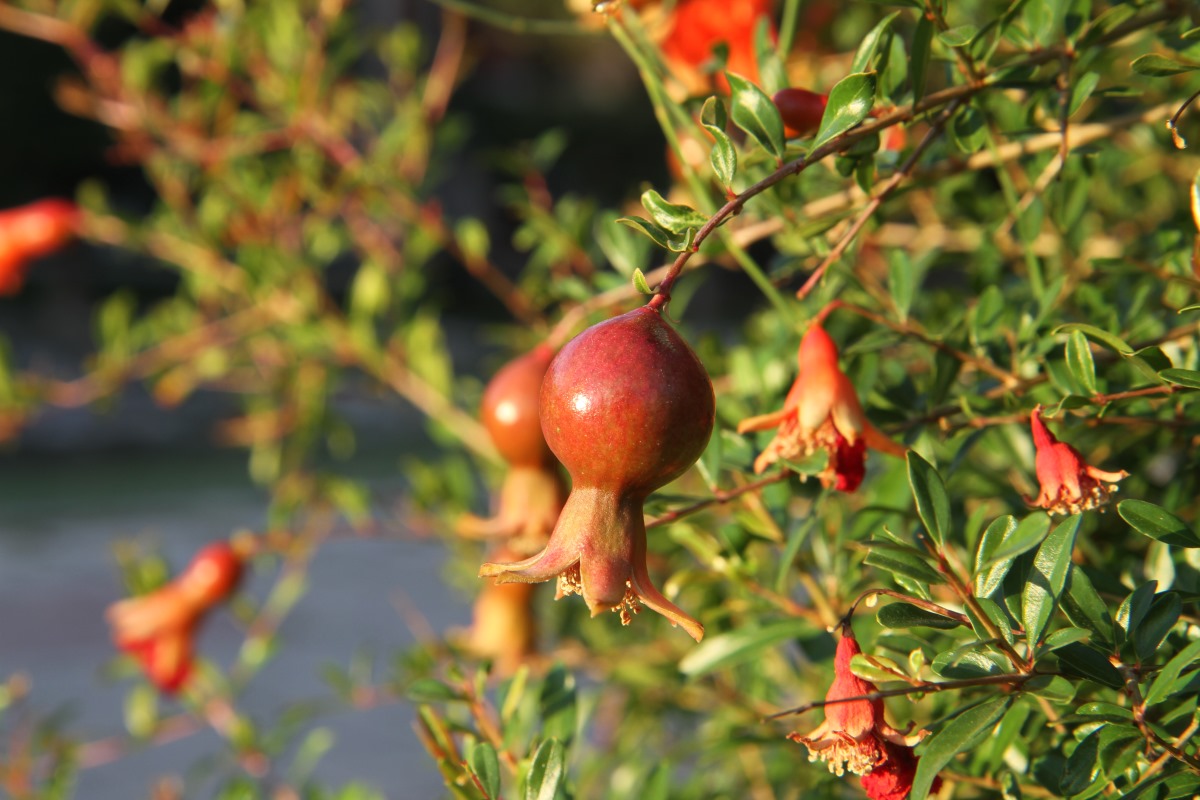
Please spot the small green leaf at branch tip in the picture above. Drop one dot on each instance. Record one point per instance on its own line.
(1157, 523)
(850, 101)
(672, 217)
(1157, 66)
(756, 114)
(933, 504)
(639, 283)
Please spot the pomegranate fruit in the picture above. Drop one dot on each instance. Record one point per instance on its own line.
(627, 407)
(801, 111)
(533, 491)
(504, 627)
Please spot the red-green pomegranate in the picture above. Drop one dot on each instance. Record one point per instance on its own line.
(627, 407)
(533, 491)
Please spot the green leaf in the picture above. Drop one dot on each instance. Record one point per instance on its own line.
(430, 690)
(960, 36)
(623, 248)
(485, 766)
(1084, 607)
(933, 504)
(1082, 661)
(906, 615)
(1082, 770)
(546, 772)
(1181, 377)
(905, 564)
(672, 217)
(962, 733)
(557, 704)
(753, 112)
(969, 129)
(1029, 534)
(989, 576)
(639, 282)
(664, 239)
(1066, 636)
(1166, 682)
(1157, 523)
(850, 102)
(1079, 361)
(922, 42)
(870, 44)
(969, 661)
(739, 646)
(1047, 578)
(1112, 341)
(1081, 90)
(1158, 66)
(1154, 627)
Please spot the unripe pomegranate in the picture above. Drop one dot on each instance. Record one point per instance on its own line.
(533, 491)
(801, 111)
(627, 407)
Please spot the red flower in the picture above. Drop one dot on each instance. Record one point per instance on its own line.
(856, 737)
(1068, 485)
(157, 628)
(822, 412)
(31, 231)
(696, 26)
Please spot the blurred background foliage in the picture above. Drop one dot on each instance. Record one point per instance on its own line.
(303, 220)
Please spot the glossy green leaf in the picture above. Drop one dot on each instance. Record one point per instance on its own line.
(1082, 769)
(664, 239)
(1109, 340)
(969, 661)
(1079, 361)
(870, 43)
(1157, 523)
(960, 36)
(1081, 90)
(933, 504)
(905, 564)
(1084, 607)
(485, 766)
(1084, 662)
(1160, 618)
(739, 645)
(962, 733)
(557, 704)
(1167, 681)
(905, 615)
(850, 101)
(1047, 578)
(672, 217)
(756, 114)
(1157, 66)
(639, 282)
(546, 772)
(989, 574)
(1181, 377)
(1028, 534)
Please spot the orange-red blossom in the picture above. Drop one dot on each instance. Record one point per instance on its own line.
(32, 231)
(1068, 484)
(855, 737)
(822, 412)
(696, 26)
(158, 628)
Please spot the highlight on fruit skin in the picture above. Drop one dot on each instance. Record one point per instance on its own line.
(822, 412)
(533, 491)
(29, 232)
(158, 628)
(627, 407)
